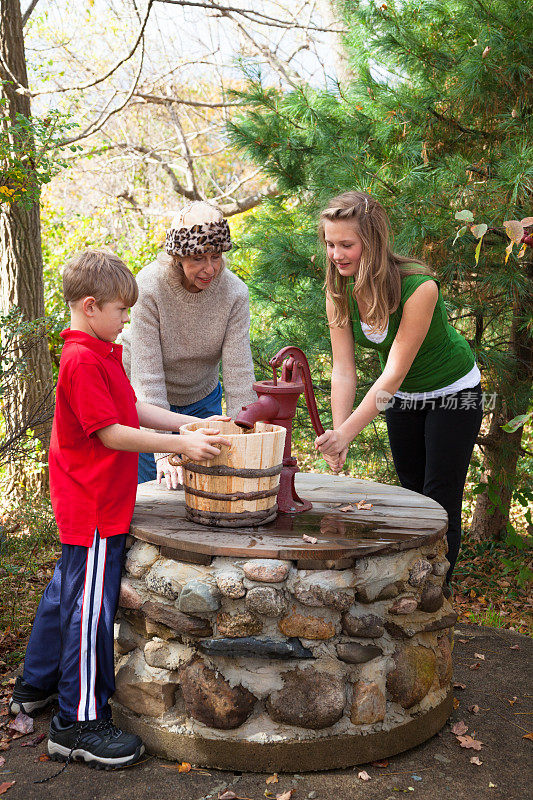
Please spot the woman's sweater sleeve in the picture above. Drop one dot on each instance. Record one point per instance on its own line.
(237, 365)
(147, 372)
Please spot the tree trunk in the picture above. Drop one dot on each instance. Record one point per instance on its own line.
(21, 269)
(502, 450)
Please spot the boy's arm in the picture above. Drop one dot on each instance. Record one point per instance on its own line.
(158, 418)
(198, 446)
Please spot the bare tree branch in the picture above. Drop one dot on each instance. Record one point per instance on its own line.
(249, 14)
(99, 124)
(237, 207)
(27, 14)
(113, 69)
(166, 101)
(178, 187)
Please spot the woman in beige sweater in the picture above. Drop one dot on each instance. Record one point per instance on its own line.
(192, 316)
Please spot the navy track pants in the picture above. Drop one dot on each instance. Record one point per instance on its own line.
(71, 643)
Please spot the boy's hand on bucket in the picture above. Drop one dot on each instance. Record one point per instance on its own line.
(201, 445)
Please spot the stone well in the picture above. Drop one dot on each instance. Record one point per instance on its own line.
(255, 649)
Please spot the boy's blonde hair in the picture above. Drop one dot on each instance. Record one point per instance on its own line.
(95, 273)
(380, 272)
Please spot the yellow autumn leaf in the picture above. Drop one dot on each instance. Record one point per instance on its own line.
(478, 250)
(184, 767)
(508, 251)
(514, 230)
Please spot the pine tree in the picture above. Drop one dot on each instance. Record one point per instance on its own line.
(437, 121)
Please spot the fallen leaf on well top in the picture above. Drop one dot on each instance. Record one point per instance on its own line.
(476, 760)
(362, 506)
(363, 775)
(346, 508)
(272, 778)
(5, 786)
(469, 743)
(309, 539)
(459, 728)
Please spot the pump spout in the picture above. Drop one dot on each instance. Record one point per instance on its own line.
(266, 409)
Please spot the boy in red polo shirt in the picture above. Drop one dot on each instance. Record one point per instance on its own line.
(93, 480)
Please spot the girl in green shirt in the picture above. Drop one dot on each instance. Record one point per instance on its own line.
(429, 385)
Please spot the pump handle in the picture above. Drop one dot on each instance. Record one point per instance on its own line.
(298, 359)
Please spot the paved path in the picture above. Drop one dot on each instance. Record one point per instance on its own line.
(440, 768)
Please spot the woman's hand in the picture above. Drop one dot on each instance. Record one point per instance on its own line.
(173, 475)
(201, 445)
(218, 418)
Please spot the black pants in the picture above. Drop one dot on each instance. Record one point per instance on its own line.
(431, 443)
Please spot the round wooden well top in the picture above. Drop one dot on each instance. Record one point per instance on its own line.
(397, 520)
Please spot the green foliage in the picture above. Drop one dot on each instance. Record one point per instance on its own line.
(436, 124)
(30, 153)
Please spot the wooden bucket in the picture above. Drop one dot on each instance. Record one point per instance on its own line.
(238, 487)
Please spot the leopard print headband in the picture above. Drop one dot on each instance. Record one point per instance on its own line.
(198, 239)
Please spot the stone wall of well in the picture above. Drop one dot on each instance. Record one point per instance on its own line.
(259, 650)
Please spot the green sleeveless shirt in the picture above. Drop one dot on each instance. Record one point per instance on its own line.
(444, 356)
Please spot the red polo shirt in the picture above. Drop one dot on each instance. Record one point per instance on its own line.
(91, 486)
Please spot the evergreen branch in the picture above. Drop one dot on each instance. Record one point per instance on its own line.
(450, 121)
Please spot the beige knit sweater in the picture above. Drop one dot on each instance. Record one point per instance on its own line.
(177, 340)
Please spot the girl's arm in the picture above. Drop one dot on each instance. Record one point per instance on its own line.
(416, 319)
(343, 379)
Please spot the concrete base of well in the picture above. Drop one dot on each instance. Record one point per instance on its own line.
(336, 752)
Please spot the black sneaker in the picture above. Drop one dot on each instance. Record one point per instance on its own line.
(28, 699)
(97, 742)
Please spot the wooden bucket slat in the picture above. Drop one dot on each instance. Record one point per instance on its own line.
(259, 449)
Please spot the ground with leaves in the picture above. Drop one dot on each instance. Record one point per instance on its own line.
(482, 752)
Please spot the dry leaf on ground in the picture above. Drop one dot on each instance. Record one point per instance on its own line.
(363, 775)
(36, 740)
(309, 539)
(514, 647)
(6, 785)
(184, 767)
(475, 666)
(474, 709)
(272, 778)
(512, 701)
(459, 686)
(285, 795)
(459, 728)
(363, 506)
(380, 764)
(469, 743)
(528, 736)
(2, 761)
(21, 724)
(43, 757)
(476, 760)
(480, 656)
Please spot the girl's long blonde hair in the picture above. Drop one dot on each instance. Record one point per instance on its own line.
(378, 279)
